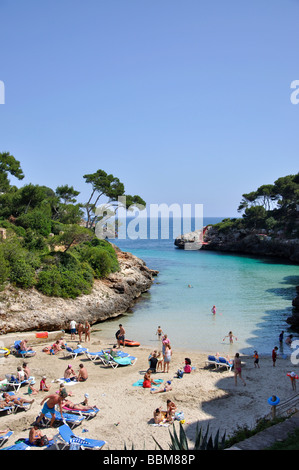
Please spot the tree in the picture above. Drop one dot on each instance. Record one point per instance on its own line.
(8, 164)
(75, 234)
(67, 193)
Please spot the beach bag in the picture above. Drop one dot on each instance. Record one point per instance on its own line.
(43, 441)
(180, 374)
(179, 415)
(117, 334)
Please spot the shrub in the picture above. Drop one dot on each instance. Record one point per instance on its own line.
(37, 220)
(22, 274)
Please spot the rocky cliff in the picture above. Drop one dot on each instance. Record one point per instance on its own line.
(26, 310)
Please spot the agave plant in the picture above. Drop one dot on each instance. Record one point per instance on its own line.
(203, 441)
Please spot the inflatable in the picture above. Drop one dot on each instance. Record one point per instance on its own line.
(129, 342)
(43, 334)
(4, 352)
(275, 402)
(294, 376)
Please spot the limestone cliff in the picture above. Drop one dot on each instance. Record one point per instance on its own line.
(26, 310)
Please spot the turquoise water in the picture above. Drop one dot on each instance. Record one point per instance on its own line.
(252, 295)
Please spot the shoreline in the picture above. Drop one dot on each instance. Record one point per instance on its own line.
(206, 396)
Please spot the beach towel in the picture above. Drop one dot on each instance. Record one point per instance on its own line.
(139, 383)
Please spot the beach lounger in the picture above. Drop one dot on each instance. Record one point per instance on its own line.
(15, 407)
(4, 438)
(19, 446)
(212, 360)
(73, 442)
(93, 356)
(28, 443)
(14, 383)
(72, 419)
(18, 352)
(87, 414)
(74, 352)
(225, 363)
(8, 409)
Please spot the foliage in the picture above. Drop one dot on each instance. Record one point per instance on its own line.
(203, 441)
(8, 164)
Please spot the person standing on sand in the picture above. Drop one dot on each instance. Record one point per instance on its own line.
(121, 335)
(274, 355)
(80, 331)
(73, 329)
(87, 331)
(238, 369)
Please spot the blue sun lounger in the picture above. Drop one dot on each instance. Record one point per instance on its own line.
(68, 439)
(74, 352)
(72, 419)
(87, 414)
(4, 438)
(19, 446)
(18, 352)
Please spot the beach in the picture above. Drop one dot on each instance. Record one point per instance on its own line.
(207, 396)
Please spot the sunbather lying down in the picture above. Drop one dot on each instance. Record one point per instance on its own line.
(15, 400)
(77, 406)
(164, 388)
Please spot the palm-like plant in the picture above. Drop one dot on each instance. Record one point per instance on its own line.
(203, 441)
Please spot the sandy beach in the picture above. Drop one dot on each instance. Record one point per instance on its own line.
(207, 396)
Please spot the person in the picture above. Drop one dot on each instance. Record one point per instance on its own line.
(69, 373)
(49, 403)
(274, 355)
(231, 337)
(171, 409)
(56, 347)
(293, 378)
(82, 374)
(15, 400)
(187, 366)
(85, 401)
(159, 332)
(31, 389)
(167, 357)
(289, 340)
(62, 342)
(35, 435)
(256, 359)
(159, 416)
(160, 361)
(121, 335)
(281, 337)
(164, 388)
(20, 374)
(153, 361)
(24, 345)
(148, 381)
(73, 329)
(26, 370)
(80, 331)
(43, 386)
(213, 310)
(78, 406)
(238, 369)
(87, 330)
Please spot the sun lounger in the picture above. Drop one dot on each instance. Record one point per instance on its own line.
(18, 352)
(4, 438)
(15, 406)
(72, 419)
(225, 363)
(70, 440)
(74, 352)
(93, 356)
(219, 362)
(8, 409)
(19, 446)
(115, 361)
(87, 414)
(14, 383)
(28, 443)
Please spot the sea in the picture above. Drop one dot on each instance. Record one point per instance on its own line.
(252, 295)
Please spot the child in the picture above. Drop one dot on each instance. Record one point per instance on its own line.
(187, 367)
(256, 359)
(43, 386)
(31, 390)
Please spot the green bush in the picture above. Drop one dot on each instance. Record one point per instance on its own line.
(22, 274)
(36, 220)
(4, 269)
(58, 281)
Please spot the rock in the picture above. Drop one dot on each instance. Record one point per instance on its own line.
(27, 310)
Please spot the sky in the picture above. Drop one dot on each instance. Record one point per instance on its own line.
(185, 102)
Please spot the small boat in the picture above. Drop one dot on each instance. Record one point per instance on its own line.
(129, 342)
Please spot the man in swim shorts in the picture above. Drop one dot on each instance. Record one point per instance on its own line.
(49, 406)
(121, 335)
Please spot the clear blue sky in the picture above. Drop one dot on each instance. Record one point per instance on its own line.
(184, 101)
